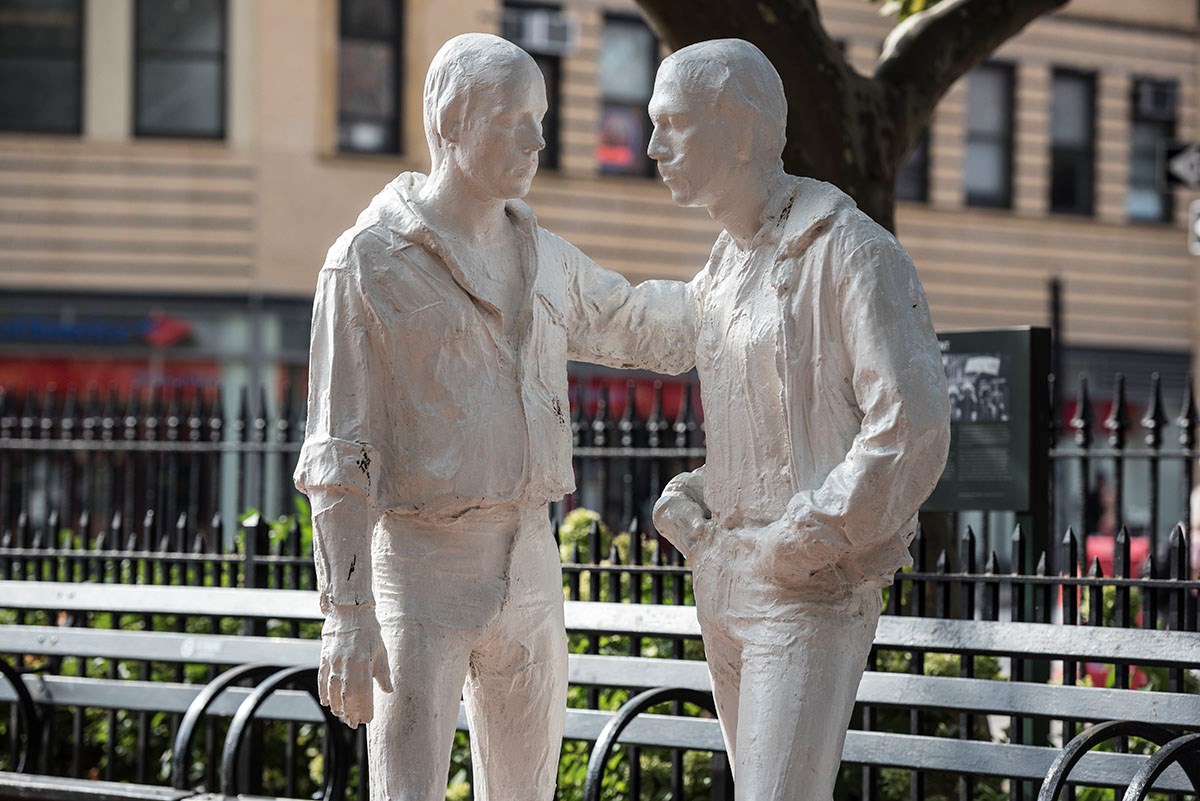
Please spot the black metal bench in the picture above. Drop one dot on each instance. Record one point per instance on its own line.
(669, 680)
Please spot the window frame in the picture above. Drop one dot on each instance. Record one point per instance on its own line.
(1087, 209)
(139, 130)
(80, 109)
(396, 40)
(1171, 130)
(1005, 142)
(649, 168)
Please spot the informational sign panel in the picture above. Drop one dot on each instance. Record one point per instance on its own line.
(999, 406)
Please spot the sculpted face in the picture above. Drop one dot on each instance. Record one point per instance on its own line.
(693, 141)
(497, 148)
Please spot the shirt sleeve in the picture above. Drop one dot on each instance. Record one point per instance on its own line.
(899, 385)
(337, 459)
(651, 326)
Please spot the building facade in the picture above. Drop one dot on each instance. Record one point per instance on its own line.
(174, 172)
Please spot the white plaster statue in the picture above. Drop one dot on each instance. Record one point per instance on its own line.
(438, 430)
(827, 422)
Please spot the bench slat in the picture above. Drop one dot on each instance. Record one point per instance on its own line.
(982, 637)
(31, 787)
(996, 759)
(1049, 640)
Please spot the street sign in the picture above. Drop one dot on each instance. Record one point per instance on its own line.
(1183, 165)
(1194, 228)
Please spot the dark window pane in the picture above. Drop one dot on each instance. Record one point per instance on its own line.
(368, 76)
(39, 95)
(913, 182)
(179, 97)
(627, 61)
(365, 78)
(192, 26)
(180, 69)
(549, 65)
(988, 174)
(1152, 124)
(40, 66)
(369, 18)
(39, 26)
(1071, 181)
(1072, 133)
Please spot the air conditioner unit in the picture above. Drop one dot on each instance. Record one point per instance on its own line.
(540, 31)
(1155, 100)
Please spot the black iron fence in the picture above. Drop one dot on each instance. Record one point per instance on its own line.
(169, 487)
(600, 565)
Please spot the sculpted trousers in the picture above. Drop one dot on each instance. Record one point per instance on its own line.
(785, 670)
(472, 606)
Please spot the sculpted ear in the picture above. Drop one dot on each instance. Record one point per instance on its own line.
(450, 119)
(744, 138)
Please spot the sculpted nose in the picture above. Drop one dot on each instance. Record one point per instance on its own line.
(656, 149)
(532, 139)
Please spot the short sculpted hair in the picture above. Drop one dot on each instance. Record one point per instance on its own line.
(733, 70)
(463, 66)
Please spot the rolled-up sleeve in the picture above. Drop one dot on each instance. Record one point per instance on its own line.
(337, 460)
(337, 453)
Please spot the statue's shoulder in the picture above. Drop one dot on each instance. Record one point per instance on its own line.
(383, 232)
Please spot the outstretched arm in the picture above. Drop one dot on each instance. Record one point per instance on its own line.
(334, 470)
(651, 326)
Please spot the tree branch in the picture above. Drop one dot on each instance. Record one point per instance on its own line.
(926, 53)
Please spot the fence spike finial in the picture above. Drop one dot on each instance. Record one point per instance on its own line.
(1084, 419)
(1155, 419)
(1117, 422)
(628, 422)
(1188, 417)
(655, 424)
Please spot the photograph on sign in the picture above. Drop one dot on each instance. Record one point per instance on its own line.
(996, 395)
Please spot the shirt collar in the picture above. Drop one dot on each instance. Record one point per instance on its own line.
(407, 221)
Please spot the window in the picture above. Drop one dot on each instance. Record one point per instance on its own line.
(988, 174)
(912, 183)
(1072, 142)
(1152, 123)
(369, 76)
(180, 68)
(628, 62)
(40, 66)
(545, 34)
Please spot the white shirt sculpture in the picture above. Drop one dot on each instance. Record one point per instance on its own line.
(438, 430)
(827, 422)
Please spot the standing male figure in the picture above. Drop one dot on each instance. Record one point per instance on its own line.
(827, 422)
(438, 430)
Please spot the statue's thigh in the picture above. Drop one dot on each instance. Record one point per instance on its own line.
(410, 737)
(799, 682)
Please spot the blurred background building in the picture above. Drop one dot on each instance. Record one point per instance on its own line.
(172, 172)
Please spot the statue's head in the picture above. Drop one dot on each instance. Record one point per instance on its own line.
(718, 106)
(484, 102)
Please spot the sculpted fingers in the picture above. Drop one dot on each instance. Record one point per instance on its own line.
(336, 705)
(357, 699)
